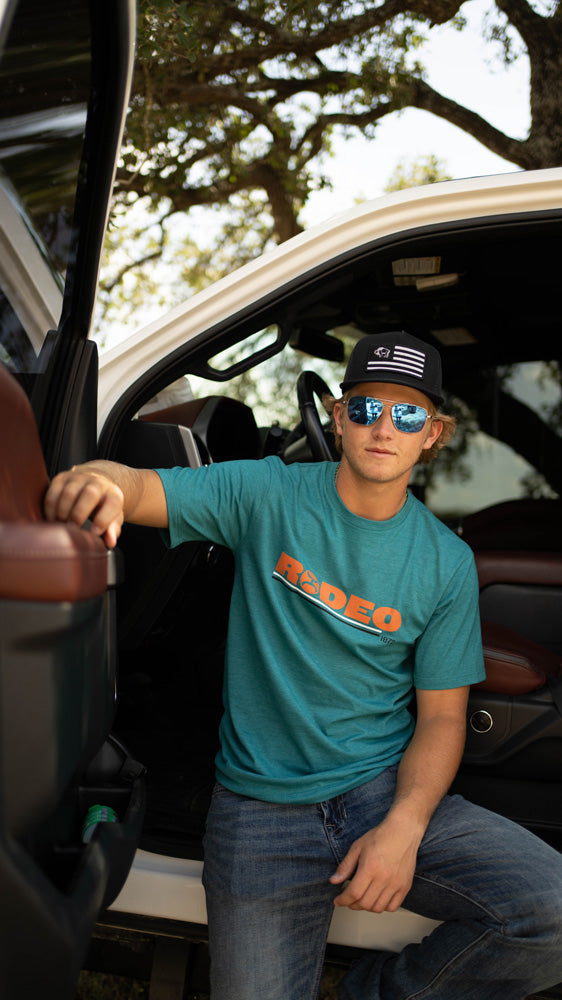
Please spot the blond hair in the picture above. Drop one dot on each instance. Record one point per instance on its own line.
(428, 454)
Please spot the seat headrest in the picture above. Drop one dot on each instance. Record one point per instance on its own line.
(226, 427)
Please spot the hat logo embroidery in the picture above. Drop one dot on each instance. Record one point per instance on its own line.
(404, 360)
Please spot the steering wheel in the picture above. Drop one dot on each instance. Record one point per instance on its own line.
(309, 385)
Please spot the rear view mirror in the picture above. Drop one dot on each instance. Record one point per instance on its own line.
(318, 344)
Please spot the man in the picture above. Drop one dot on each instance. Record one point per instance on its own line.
(353, 640)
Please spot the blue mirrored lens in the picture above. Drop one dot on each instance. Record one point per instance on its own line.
(364, 409)
(406, 417)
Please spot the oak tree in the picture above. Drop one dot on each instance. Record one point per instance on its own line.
(235, 100)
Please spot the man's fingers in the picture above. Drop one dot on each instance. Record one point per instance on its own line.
(365, 889)
(111, 534)
(371, 895)
(75, 496)
(377, 878)
(79, 501)
(346, 866)
(397, 900)
(377, 900)
(67, 498)
(52, 496)
(352, 894)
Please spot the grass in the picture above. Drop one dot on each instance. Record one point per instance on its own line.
(100, 986)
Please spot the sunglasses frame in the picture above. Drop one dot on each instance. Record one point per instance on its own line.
(392, 404)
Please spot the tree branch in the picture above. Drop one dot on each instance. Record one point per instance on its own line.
(279, 42)
(427, 99)
(108, 286)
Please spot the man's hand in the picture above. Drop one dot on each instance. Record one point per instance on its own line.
(380, 867)
(83, 493)
(381, 864)
(108, 493)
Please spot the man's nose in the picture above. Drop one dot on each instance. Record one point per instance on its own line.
(384, 424)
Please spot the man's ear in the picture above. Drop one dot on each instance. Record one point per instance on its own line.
(338, 407)
(434, 432)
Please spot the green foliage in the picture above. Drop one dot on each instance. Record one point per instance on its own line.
(151, 261)
(232, 98)
(426, 170)
(498, 31)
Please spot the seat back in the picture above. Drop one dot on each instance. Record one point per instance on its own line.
(214, 428)
(521, 525)
(518, 551)
(523, 591)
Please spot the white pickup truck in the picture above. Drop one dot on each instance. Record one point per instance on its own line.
(111, 667)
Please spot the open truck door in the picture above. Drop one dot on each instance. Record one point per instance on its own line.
(65, 74)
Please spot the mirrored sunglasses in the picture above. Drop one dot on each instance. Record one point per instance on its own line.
(406, 417)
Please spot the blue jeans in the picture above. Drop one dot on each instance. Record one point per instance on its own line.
(496, 887)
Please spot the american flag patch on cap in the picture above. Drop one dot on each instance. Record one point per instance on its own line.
(397, 359)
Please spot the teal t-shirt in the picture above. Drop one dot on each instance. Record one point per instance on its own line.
(334, 619)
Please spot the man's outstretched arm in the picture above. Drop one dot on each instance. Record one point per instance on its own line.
(108, 494)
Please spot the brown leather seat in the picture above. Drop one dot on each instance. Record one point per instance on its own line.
(518, 551)
(522, 590)
(515, 665)
(529, 525)
(38, 561)
(519, 567)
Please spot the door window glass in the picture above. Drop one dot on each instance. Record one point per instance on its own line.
(508, 444)
(44, 86)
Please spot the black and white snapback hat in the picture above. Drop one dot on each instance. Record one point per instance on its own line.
(395, 357)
